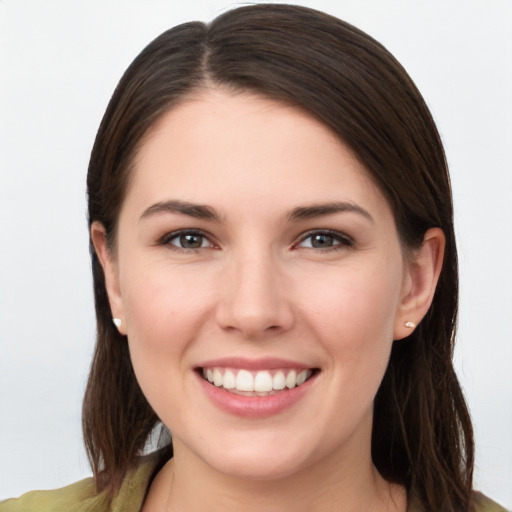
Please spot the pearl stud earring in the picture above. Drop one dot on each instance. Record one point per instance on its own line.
(117, 322)
(410, 325)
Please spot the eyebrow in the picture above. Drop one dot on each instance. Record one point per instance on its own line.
(331, 208)
(198, 211)
(201, 211)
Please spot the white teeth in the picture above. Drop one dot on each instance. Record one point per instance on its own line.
(301, 378)
(244, 381)
(217, 377)
(278, 381)
(262, 383)
(229, 380)
(291, 379)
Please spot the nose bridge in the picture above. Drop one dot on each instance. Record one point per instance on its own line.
(253, 302)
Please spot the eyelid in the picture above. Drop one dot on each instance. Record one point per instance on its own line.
(166, 239)
(345, 241)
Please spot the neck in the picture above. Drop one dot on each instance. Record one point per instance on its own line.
(186, 483)
(300, 493)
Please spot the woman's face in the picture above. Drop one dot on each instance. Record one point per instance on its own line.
(254, 251)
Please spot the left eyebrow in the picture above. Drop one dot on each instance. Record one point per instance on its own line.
(198, 211)
(321, 209)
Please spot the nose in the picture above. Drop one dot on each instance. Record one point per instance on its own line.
(255, 301)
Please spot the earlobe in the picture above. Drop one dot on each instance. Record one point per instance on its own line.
(110, 271)
(422, 274)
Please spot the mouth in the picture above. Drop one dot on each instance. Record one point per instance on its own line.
(261, 383)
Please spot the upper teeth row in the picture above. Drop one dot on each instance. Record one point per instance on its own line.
(243, 380)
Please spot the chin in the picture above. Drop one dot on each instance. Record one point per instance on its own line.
(253, 455)
(259, 467)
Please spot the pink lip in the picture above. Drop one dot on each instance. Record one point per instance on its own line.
(254, 406)
(267, 363)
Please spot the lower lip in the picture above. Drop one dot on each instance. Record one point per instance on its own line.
(255, 406)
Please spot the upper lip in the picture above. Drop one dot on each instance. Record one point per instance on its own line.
(265, 363)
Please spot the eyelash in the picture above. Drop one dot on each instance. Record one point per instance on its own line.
(169, 237)
(341, 240)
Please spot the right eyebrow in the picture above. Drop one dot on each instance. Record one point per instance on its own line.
(323, 209)
(173, 206)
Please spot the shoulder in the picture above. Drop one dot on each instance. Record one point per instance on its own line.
(484, 504)
(59, 500)
(82, 496)
(481, 504)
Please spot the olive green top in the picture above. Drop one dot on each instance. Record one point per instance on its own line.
(82, 496)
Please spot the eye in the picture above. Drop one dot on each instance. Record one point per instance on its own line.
(187, 240)
(325, 240)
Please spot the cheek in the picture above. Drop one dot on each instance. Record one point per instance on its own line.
(164, 313)
(162, 305)
(353, 314)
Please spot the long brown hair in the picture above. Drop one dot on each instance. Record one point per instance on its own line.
(422, 435)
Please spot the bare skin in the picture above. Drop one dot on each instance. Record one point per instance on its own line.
(374, 495)
(250, 231)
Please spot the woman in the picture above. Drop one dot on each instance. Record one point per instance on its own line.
(275, 280)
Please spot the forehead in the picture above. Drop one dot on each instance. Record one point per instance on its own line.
(222, 148)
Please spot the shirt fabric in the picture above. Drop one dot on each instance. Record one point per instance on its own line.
(82, 496)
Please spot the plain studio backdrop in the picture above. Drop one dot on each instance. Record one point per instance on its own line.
(59, 64)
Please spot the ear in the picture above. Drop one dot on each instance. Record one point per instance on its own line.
(110, 271)
(422, 270)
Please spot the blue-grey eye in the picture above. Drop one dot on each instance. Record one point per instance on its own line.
(189, 241)
(320, 241)
(325, 240)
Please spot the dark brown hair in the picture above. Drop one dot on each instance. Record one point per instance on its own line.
(422, 436)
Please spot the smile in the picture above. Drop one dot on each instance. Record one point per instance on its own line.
(256, 388)
(256, 383)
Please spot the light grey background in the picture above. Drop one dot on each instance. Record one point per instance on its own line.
(59, 63)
